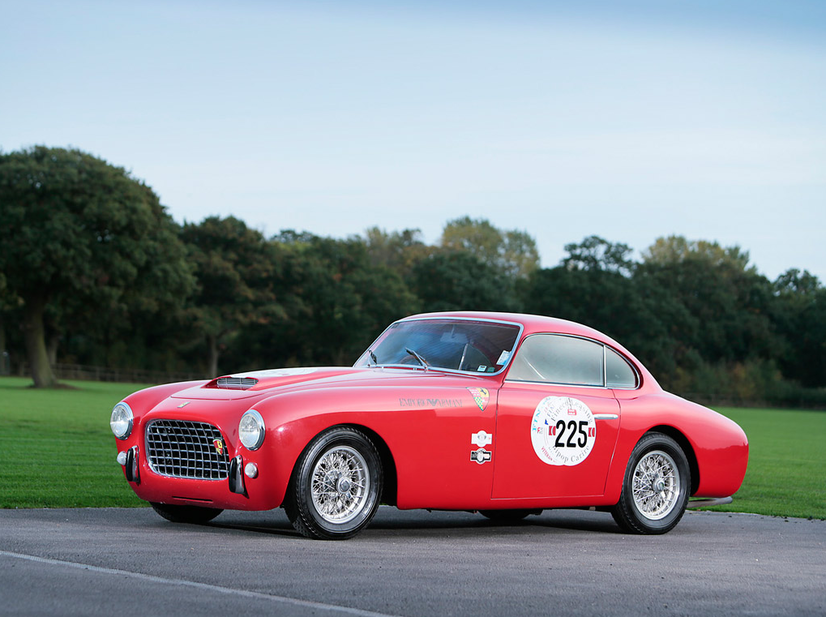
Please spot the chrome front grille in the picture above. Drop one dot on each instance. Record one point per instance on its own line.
(183, 449)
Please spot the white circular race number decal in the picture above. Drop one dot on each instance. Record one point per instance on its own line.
(563, 431)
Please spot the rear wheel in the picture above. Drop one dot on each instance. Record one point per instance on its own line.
(336, 486)
(656, 487)
(185, 514)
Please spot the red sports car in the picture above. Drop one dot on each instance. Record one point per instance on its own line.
(499, 413)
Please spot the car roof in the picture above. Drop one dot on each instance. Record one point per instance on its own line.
(535, 324)
(532, 324)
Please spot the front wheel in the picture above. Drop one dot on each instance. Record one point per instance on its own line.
(185, 514)
(656, 486)
(336, 486)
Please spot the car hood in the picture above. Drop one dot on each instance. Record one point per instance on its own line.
(258, 383)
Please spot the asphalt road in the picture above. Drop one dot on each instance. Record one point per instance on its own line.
(131, 562)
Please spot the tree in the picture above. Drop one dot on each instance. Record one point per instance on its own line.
(236, 269)
(676, 249)
(457, 280)
(397, 250)
(796, 284)
(75, 227)
(597, 254)
(726, 301)
(512, 253)
(799, 314)
(337, 302)
(610, 302)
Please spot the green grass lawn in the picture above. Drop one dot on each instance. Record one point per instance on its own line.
(787, 463)
(56, 451)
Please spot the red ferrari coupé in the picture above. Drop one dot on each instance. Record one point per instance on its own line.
(498, 413)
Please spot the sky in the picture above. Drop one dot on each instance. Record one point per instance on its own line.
(628, 120)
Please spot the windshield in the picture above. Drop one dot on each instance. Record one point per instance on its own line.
(454, 344)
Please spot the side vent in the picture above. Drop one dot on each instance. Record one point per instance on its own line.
(232, 383)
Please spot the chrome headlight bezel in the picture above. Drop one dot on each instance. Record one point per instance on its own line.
(122, 420)
(252, 430)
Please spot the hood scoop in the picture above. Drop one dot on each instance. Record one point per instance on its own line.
(232, 383)
(249, 385)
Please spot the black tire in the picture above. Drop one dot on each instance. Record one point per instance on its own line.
(507, 516)
(186, 514)
(336, 486)
(658, 469)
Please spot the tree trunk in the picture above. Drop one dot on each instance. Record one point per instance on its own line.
(212, 344)
(4, 356)
(51, 349)
(34, 333)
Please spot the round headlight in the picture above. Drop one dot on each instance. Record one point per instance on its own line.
(121, 420)
(251, 430)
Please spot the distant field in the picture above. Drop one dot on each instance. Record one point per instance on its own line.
(56, 451)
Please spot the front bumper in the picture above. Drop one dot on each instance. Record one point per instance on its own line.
(244, 480)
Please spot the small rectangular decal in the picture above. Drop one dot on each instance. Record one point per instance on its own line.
(481, 456)
(481, 439)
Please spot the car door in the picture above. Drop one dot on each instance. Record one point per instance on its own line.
(557, 423)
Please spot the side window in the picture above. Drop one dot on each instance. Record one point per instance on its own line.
(559, 359)
(619, 373)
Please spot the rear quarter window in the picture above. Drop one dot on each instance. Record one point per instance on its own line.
(618, 372)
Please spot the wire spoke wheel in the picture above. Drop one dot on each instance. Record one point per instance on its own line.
(336, 485)
(339, 484)
(656, 485)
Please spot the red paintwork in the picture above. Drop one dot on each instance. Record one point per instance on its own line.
(426, 421)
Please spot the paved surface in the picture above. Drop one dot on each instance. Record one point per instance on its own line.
(130, 561)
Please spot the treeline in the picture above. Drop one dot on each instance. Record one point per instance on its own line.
(94, 271)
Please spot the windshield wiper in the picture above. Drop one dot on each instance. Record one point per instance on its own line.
(421, 360)
(373, 358)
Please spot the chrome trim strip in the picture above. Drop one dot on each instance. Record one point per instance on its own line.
(555, 384)
(606, 416)
(604, 365)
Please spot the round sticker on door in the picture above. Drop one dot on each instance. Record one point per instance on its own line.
(563, 431)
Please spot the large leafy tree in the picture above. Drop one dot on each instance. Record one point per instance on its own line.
(236, 269)
(80, 233)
